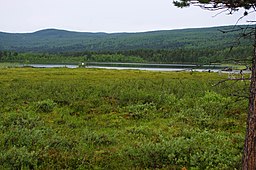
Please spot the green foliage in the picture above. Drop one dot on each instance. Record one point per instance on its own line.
(198, 150)
(95, 139)
(140, 111)
(203, 55)
(202, 45)
(109, 119)
(45, 106)
(49, 41)
(18, 158)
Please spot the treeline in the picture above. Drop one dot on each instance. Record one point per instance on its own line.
(71, 58)
(203, 56)
(187, 55)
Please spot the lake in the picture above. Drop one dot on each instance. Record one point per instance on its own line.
(138, 66)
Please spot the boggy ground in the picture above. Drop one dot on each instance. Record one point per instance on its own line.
(63, 118)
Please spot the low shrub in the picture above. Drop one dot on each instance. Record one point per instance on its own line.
(45, 106)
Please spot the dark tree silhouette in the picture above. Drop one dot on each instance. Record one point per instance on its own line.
(249, 6)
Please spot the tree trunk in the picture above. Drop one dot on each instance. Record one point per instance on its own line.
(249, 157)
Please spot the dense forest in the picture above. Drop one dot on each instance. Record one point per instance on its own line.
(199, 45)
(238, 55)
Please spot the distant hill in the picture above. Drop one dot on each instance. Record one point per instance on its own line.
(54, 41)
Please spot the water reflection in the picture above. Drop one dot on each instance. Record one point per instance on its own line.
(138, 66)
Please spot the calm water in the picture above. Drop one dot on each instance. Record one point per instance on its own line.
(50, 65)
(139, 66)
(154, 69)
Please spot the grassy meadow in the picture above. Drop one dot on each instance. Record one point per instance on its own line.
(62, 118)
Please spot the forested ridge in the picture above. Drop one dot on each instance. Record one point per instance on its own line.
(197, 45)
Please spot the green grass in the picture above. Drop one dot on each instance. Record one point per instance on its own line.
(63, 118)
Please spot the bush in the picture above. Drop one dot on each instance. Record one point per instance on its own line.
(45, 106)
(18, 158)
(199, 150)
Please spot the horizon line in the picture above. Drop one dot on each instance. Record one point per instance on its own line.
(115, 32)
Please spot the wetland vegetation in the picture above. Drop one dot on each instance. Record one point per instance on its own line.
(60, 118)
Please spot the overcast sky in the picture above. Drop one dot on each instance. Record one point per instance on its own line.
(106, 16)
